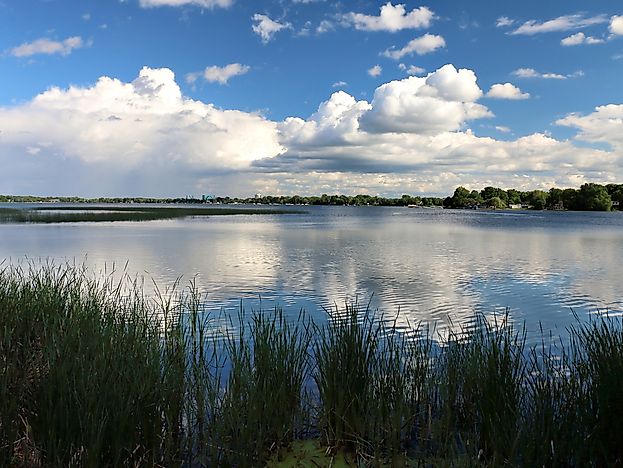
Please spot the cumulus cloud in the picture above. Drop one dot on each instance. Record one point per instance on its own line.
(144, 138)
(178, 3)
(604, 125)
(144, 128)
(411, 69)
(421, 45)
(48, 46)
(580, 38)
(391, 18)
(562, 23)
(532, 73)
(375, 71)
(216, 74)
(400, 161)
(616, 25)
(442, 101)
(266, 28)
(506, 91)
(410, 138)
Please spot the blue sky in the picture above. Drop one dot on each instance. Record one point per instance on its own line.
(285, 96)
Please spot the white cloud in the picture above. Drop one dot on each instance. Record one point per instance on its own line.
(532, 73)
(49, 47)
(144, 129)
(375, 71)
(442, 101)
(604, 125)
(409, 138)
(325, 26)
(562, 23)
(504, 21)
(216, 74)
(144, 138)
(86, 16)
(178, 3)
(411, 69)
(506, 91)
(616, 25)
(421, 45)
(266, 28)
(580, 38)
(502, 129)
(339, 84)
(392, 18)
(434, 163)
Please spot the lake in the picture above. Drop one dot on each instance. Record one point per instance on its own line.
(422, 265)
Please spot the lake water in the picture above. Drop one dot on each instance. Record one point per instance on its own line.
(431, 266)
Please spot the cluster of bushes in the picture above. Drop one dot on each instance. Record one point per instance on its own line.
(589, 197)
(92, 373)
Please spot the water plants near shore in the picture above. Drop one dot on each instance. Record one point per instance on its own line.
(93, 371)
(76, 214)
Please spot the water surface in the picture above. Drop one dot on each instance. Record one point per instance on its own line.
(431, 266)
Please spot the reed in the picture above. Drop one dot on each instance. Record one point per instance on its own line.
(77, 214)
(93, 372)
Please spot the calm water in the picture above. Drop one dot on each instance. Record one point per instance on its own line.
(434, 266)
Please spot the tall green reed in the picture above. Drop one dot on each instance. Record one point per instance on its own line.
(94, 372)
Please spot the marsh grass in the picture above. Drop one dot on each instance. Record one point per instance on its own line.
(75, 214)
(480, 377)
(93, 372)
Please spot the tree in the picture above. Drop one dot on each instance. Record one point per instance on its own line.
(496, 203)
(594, 197)
(514, 197)
(555, 198)
(459, 199)
(491, 192)
(570, 199)
(538, 199)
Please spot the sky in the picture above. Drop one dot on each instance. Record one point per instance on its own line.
(233, 97)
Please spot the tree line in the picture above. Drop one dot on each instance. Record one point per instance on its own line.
(589, 197)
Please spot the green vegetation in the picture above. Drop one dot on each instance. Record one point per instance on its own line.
(589, 197)
(337, 200)
(94, 373)
(74, 214)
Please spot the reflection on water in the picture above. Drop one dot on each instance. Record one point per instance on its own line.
(428, 264)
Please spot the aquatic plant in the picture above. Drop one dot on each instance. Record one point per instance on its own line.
(94, 371)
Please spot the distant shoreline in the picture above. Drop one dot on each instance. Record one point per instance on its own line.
(589, 197)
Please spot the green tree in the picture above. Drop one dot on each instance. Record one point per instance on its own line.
(538, 199)
(496, 203)
(514, 197)
(491, 192)
(555, 198)
(594, 197)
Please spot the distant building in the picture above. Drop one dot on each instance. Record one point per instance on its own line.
(258, 195)
(516, 206)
